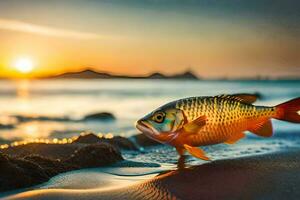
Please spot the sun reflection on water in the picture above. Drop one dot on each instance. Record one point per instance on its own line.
(22, 88)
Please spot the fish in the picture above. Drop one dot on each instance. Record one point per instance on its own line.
(189, 123)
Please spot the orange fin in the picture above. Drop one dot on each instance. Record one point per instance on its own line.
(242, 97)
(289, 111)
(180, 150)
(195, 125)
(263, 129)
(247, 98)
(196, 152)
(235, 138)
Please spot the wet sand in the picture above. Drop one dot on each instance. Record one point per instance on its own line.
(269, 176)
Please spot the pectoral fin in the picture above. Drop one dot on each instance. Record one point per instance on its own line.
(195, 125)
(196, 152)
(235, 138)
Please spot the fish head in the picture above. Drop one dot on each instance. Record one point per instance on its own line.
(162, 124)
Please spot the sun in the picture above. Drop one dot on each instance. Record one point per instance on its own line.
(24, 65)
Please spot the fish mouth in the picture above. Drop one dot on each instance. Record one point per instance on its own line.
(146, 128)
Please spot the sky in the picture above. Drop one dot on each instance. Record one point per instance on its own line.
(230, 38)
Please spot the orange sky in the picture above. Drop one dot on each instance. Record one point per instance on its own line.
(140, 37)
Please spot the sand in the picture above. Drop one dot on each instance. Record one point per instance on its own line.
(269, 176)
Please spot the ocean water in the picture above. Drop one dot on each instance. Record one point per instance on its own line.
(128, 100)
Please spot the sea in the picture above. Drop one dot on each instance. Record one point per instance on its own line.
(43, 106)
(128, 100)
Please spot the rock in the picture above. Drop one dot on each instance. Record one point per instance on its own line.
(7, 126)
(95, 155)
(122, 143)
(51, 167)
(52, 151)
(22, 118)
(68, 133)
(117, 141)
(99, 116)
(88, 139)
(35, 163)
(144, 141)
(17, 173)
(4, 141)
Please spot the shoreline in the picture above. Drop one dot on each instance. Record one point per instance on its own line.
(269, 176)
(140, 169)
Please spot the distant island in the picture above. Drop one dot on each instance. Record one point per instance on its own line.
(186, 75)
(91, 74)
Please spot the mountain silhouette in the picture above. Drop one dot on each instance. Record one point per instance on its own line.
(91, 74)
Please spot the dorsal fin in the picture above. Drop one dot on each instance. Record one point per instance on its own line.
(242, 97)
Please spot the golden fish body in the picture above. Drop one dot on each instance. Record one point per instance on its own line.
(225, 118)
(198, 121)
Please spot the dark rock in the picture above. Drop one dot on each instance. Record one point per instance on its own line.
(66, 133)
(35, 163)
(17, 173)
(144, 141)
(52, 151)
(88, 139)
(95, 155)
(7, 126)
(3, 158)
(52, 167)
(4, 141)
(117, 141)
(22, 118)
(99, 116)
(122, 143)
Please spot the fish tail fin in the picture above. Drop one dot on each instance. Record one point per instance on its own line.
(289, 111)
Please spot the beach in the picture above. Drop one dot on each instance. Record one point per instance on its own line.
(61, 152)
(272, 176)
(251, 169)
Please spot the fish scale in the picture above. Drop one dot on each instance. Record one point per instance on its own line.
(225, 117)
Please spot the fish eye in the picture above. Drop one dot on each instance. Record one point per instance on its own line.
(159, 117)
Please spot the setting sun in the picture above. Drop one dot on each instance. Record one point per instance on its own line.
(24, 65)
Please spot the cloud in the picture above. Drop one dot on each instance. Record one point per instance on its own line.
(14, 25)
